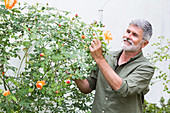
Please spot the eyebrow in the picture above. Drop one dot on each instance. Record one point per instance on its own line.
(133, 33)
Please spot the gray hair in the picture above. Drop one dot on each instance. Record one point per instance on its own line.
(145, 25)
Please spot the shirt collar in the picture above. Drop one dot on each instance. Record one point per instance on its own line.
(118, 53)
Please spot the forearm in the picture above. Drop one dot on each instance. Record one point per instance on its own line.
(109, 74)
(83, 86)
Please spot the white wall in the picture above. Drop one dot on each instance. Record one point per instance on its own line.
(116, 16)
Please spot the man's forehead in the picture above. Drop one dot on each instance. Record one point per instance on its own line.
(135, 28)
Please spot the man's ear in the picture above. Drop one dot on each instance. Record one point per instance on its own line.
(145, 43)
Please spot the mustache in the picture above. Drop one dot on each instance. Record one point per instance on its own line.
(127, 39)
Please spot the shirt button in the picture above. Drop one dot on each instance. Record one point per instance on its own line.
(106, 98)
(102, 111)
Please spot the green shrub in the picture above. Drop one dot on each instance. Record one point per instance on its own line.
(28, 31)
(154, 108)
(160, 55)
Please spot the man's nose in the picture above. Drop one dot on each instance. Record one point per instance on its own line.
(128, 35)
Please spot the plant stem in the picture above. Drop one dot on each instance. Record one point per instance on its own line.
(21, 64)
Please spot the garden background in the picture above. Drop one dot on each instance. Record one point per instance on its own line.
(115, 15)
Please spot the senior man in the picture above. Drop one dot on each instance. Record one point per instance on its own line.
(122, 77)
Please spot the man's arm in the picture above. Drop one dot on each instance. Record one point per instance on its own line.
(83, 86)
(109, 74)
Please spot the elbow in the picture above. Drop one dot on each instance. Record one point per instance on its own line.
(83, 86)
(86, 91)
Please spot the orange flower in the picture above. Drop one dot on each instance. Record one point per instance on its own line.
(86, 47)
(83, 36)
(10, 3)
(108, 36)
(40, 84)
(6, 92)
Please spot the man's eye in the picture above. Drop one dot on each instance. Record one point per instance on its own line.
(134, 34)
(128, 31)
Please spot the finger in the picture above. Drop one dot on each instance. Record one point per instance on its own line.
(91, 49)
(99, 42)
(92, 44)
(95, 41)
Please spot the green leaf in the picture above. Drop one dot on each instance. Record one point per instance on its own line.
(43, 8)
(9, 97)
(10, 79)
(30, 90)
(26, 44)
(1, 90)
(14, 98)
(24, 103)
(3, 6)
(16, 10)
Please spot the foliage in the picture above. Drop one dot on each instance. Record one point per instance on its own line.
(153, 108)
(161, 55)
(47, 45)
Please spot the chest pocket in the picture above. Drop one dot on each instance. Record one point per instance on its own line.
(125, 70)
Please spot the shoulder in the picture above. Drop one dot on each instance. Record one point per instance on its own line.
(142, 63)
(145, 61)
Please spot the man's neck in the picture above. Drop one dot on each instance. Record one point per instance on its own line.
(126, 56)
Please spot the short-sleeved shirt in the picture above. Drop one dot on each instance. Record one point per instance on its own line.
(136, 75)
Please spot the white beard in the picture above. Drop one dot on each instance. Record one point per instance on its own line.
(131, 48)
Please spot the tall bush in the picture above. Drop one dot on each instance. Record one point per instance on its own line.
(49, 48)
(161, 55)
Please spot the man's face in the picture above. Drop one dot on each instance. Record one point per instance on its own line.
(133, 39)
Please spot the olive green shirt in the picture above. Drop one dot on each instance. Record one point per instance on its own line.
(136, 75)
